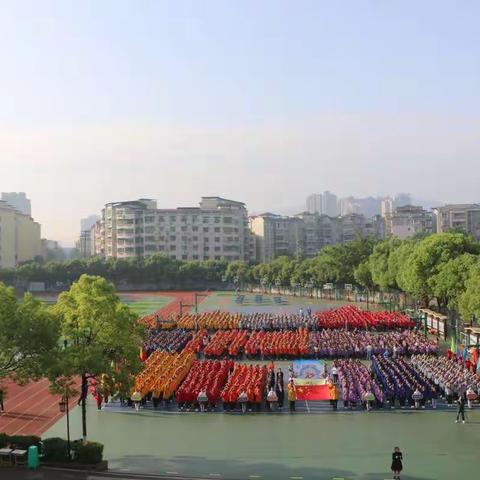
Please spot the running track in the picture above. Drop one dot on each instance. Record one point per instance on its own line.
(32, 409)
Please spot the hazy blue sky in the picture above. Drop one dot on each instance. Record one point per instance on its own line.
(260, 101)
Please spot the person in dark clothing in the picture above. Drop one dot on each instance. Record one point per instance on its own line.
(280, 376)
(280, 391)
(397, 465)
(460, 409)
(2, 396)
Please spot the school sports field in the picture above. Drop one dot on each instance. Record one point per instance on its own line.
(353, 445)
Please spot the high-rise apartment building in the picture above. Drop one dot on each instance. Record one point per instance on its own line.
(19, 201)
(217, 229)
(464, 217)
(387, 206)
(314, 203)
(329, 204)
(20, 239)
(307, 233)
(276, 235)
(323, 203)
(88, 222)
(407, 221)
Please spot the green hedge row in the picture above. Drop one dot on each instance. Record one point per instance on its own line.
(55, 449)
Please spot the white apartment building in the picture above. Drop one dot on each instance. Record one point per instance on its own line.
(216, 230)
(276, 235)
(404, 222)
(20, 239)
(19, 201)
(465, 217)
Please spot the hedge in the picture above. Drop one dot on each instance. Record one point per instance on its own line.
(55, 449)
(20, 441)
(89, 452)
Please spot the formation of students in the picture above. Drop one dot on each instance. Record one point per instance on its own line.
(358, 385)
(400, 381)
(350, 316)
(300, 343)
(344, 317)
(453, 379)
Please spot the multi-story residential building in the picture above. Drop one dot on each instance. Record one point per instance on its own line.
(404, 222)
(306, 233)
(323, 203)
(314, 203)
(20, 239)
(464, 217)
(276, 235)
(329, 204)
(88, 222)
(217, 229)
(19, 201)
(386, 206)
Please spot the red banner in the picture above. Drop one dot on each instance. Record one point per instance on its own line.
(312, 392)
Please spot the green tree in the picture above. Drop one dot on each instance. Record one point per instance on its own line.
(102, 336)
(469, 301)
(449, 283)
(28, 336)
(363, 275)
(418, 275)
(381, 275)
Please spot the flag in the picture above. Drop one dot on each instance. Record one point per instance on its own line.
(142, 354)
(312, 392)
(465, 353)
(453, 346)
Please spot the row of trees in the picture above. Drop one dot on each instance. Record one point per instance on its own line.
(87, 334)
(156, 268)
(442, 267)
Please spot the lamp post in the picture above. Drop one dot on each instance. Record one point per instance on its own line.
(63, 406)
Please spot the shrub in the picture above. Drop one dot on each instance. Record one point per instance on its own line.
(89, 452)
(55, 449)
(20, 441)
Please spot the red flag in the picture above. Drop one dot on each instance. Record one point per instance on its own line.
(143, 355)
(312, 392)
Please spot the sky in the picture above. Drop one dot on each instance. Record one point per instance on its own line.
(259, 101)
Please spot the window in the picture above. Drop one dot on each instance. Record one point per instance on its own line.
(161, 248)
(195, 247)
(206, 229)
(195, 229)
(173, 238)
(161, 219)
(149, 219)
(206, 248)
(149, 238)
(195, 238)
(184, 257)
(206, 219)
(217, 239)
(184, 238)
(217, 249)
(217, 220)
(173, 219)
(227, 220)
(150, 248)
(172, 247)
(195, 257)
(218, 257)
(184, 229)
(217, 229)
(149, 229)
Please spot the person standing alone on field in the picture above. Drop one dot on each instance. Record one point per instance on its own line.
(397, 465)
(460, 409)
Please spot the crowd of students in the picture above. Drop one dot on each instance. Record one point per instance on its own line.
(300, 343)
(357, 385)
(403, 383)
(451, 377)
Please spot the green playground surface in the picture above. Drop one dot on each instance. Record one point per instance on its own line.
(144, 304)
(254, 302)
(284, 447)
(343, 445)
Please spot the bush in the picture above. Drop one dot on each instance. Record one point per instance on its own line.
(90, 452)
(55, 449)
(20, 441)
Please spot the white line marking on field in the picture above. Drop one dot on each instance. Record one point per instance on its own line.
(254, 476)
(214, 474)
(172, 473)
(296, 478)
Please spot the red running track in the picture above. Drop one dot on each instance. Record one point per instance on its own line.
(32, 409)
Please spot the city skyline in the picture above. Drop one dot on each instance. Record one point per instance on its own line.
(264, 103)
